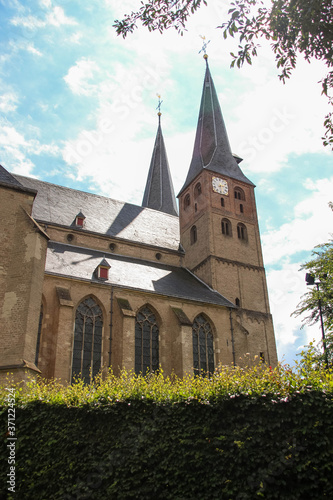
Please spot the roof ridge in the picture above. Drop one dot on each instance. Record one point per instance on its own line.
(35, 179)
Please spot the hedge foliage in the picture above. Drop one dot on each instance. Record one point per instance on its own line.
(243, 434)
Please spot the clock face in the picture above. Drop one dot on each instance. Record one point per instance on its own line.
(219, 185)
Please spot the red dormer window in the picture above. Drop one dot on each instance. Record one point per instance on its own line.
(79, 219)
(102, 270)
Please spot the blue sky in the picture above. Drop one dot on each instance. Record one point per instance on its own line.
(78, 108)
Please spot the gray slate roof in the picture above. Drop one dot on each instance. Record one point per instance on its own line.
(211, 147)
(159, 193)
(130, 273)
(60, 205)
(7, 179)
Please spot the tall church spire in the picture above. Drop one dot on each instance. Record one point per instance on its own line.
(211, 148)
(159, 193)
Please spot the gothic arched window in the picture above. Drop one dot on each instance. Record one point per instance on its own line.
(203, 346)
(193, 234)
(146, 342)
(242, 232)
(226, 227)
(87, 347)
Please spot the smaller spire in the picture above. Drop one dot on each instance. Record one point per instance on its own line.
(159, 193)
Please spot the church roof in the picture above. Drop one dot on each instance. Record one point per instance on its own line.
(212, 149)
(159, 193)
(130, 273)
(60, 205)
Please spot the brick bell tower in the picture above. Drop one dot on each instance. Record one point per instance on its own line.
(220, 233)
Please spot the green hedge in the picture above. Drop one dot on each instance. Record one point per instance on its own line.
(168, 438)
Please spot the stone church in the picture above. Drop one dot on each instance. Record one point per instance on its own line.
(88, 282)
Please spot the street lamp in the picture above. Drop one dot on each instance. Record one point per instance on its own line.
(310, 280)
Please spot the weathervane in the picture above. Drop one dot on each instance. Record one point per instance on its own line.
(204, 46)
(159, 104)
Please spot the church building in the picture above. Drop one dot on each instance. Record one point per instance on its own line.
(88, 282)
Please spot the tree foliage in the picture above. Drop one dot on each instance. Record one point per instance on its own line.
(159, 15)
(293, 26)
(321, 268)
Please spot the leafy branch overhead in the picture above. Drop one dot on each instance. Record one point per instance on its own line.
(293, 26)
(159, 15)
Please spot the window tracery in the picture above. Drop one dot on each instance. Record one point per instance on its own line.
(203, 346)
(146, 342)
(87, 347)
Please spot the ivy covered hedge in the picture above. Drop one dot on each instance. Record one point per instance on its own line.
(242, 434)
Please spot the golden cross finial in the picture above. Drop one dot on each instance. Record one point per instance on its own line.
(204, 46)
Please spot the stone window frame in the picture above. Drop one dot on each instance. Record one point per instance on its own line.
(239, 194)
(204, 352)
(226, 227)
(88, 330)
(147, 332)
(242, 232)
(187, 201)
(193, 234)
(197, 189)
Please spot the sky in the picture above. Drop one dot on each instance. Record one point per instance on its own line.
(78, 108)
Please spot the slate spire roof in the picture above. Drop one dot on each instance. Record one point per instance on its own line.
(212, 148)
(159, 193)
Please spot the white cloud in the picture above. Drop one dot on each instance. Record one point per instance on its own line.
(58, 18)
(9, 137)
(16, 149)
(29, 22)
(46, 3)
(127, 102)
(78, 77)
(286, 287)
(311, 224)
(273, 120)
(33, 50)
(26, 45)
(76, 37)
(8, 102)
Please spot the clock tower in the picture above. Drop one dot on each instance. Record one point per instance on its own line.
(220, 233)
